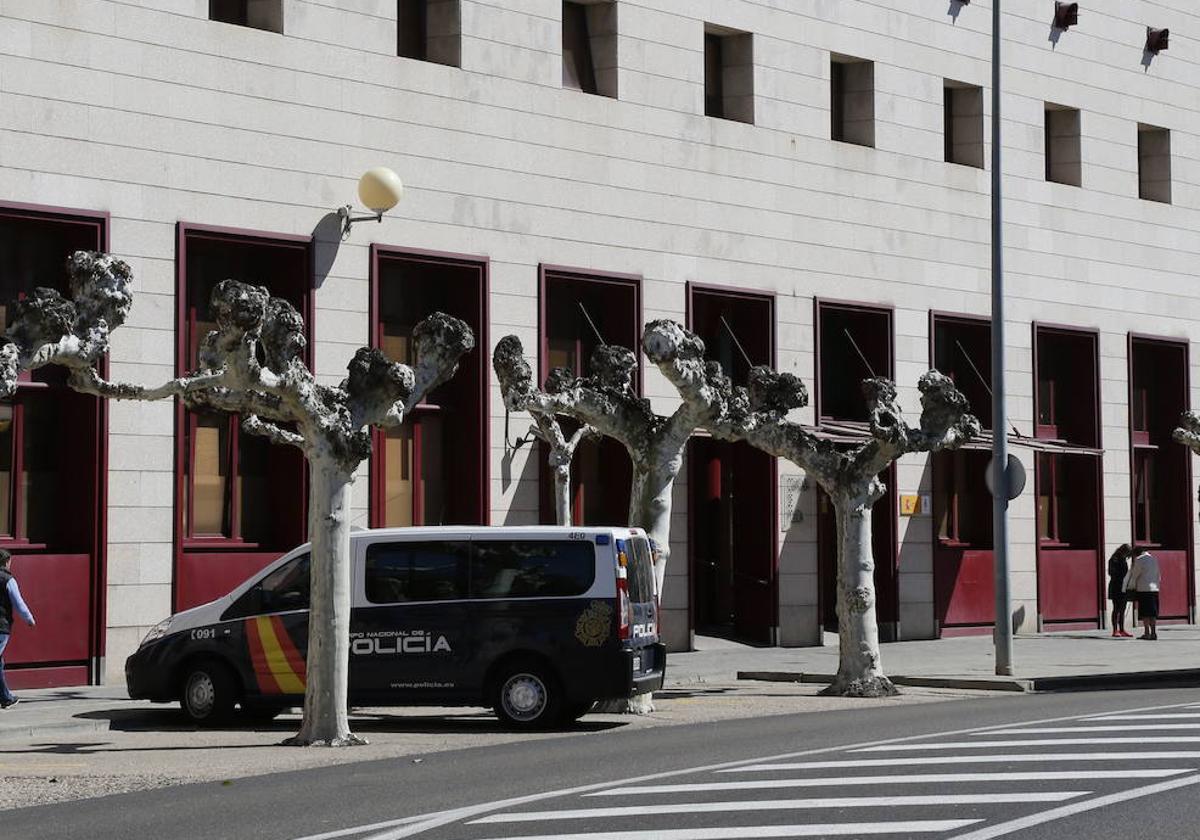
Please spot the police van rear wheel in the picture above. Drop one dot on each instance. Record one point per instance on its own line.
(208, 693)
(528, 697)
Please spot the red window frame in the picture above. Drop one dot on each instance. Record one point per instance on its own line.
(187, 344)
(477, 509)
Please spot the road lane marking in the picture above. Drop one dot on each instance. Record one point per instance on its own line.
(966, 759)
(734, 832)
(785, 805)
(1033, 742)
(443, 818)
(363, 829)
(1051, 730)
(912, 779)
(1175, 716)
(1001, 829)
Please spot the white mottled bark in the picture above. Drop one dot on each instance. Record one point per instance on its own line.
(860, 670)
(326, 705)
(562, 493)
(650, 507)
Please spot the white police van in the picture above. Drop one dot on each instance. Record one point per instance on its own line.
(537, 623)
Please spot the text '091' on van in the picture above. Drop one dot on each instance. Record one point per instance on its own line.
(537, 623)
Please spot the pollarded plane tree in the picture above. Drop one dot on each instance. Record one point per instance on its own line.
(560, 445)
(1188, 431)
(252, 364)
(851, 479)
(607, 401)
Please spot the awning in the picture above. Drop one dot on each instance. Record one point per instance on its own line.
(851, 433)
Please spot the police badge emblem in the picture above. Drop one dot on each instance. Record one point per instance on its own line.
(594, 624)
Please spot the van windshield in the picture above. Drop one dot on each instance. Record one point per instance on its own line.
(641, 571)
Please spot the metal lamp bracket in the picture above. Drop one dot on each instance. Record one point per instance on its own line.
(346, 214)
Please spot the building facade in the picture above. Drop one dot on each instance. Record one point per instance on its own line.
(803, 184)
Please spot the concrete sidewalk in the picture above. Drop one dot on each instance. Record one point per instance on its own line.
(1090, 659)
(1046, 662)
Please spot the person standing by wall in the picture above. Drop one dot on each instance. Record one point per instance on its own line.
(1143, 578)
(10, 601)
(1118, 569)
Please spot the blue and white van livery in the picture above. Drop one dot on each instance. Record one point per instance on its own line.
(537, 623)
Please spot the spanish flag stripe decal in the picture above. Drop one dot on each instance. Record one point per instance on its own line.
(277, 664)
(258, 659)
(295, 660)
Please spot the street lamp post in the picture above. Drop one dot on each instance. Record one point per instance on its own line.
(1000, 473)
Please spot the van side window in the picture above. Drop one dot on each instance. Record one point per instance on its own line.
(640, 573)
(416, 571)
(283, 590)
(531, 568)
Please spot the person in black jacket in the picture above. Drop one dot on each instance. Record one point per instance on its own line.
(1118, 568)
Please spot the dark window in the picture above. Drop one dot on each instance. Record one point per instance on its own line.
(531, 568)
(49, 444)
(440, 447)
(429, 30)
(257, 14)
(729, 76)
(852, 101)
(1162, 488)
(962, 350)
(579, 313)
(411, 29)
(1062, 149)
(416, 571)
(1067, 386)
(1154, 163)
(238, 487)
(579, 71)
(962, 504)
(640, 571)
(1068, 499)
(855, 343)
(736, 328)
(283, 590)
(963, 123)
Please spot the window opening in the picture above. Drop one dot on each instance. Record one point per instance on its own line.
(963, 123)
(729, 75)
(1154, 163)
(852, 100)
(1062, 145)
(429, 30)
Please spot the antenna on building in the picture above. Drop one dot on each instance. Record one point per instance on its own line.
(859, 351)
(736, 343)
(982, 380)
(591, 323)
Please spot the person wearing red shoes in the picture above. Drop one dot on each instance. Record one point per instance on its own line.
(1144, 578)
(1118, 568)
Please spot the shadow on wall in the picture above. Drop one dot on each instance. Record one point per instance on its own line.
(327, 238)
(527, 482)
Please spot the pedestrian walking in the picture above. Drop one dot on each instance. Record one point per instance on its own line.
(1143, 578)
(1118, 569)
(10, 601)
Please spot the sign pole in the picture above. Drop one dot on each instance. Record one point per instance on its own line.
(1000, 474)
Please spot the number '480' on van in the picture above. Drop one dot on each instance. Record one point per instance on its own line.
(536, 623)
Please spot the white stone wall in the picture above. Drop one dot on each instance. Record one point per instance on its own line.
(153, 113)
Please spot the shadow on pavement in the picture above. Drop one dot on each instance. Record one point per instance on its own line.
(172, 720)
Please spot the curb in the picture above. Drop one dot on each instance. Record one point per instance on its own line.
(1077, 682)
(32, 729)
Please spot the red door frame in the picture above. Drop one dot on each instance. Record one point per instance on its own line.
(819, 306)
(739, 293)
(546, 273)
(1039, 328)
(244, 561)
(936, 316)
(377, 479)
(1184, 346)
(97, 625)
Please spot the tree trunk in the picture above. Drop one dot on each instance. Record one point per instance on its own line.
(562, 491)
(860, 671)
(326, 698)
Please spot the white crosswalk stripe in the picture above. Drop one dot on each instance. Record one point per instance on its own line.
(1167, 716)
(1129, 727)
(786, 805)
(754, 831)
(907, 779)
(1033, 742)
(969, 759)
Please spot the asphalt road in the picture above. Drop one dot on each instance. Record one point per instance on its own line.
(790, 777)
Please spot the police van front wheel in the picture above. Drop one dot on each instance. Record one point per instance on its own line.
(208, 692)
(528, 696)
